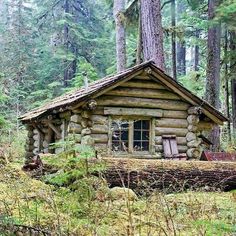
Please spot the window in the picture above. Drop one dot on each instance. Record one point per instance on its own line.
(141, 135)
(130, 136)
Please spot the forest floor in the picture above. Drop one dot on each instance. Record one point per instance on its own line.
(87, 207)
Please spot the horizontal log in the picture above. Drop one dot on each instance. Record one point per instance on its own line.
(143, 93)
(180, 140)
(98, 111)
(168, 174)
(180, 132)
(133, 111)
(100, 138)
(194, 143)
(142, 77)
(99, 119)
(181, 148)
(192, 128)
(139, 84)
(175, 114)
(99, 129)
(193, 119)
(74, 128)
(173, 123)
(76, 118)
(142, 102)
(191, 136)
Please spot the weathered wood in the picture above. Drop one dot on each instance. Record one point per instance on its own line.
(142, 77)
(203, 125)
(172, 123)
(100, 138)
(194, 153)
(99, 129)
(175, 114)
(180, 132)
(181, 148)
(99, 120)
(85, 114)
(191, 136)
(98, 111)
(133, 111)
(169, 175)
(180, 140)
(193, 119)
(194, 143)
(86, 131)
(76, 118)
(140, 84)
(143, 93)
(55, 129)
(142, 102)
(192, 128)
(74, 128)
(65, 115)
(195, 110)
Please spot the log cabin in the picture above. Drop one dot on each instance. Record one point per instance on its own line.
(132, 114)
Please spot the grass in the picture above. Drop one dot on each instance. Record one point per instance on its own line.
(79, 210)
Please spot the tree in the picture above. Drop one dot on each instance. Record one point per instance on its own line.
(152, 32)
(213, 68)
(118, 11)
(173, 38)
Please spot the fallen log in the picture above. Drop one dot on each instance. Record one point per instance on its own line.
(144, 176)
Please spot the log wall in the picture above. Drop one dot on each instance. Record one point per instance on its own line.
(139, 98)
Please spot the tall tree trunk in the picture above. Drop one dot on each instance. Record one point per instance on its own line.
(196, 53)
(139, 42)
(118, 9)
(173, 38)
(152, 32)
(181, 44)
(66, 44)
(213, 69)
(233, 80)
(226, 86)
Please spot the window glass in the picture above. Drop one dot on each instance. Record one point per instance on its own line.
(120, 136)
(141, 135)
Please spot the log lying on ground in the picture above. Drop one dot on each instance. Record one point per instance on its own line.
(144, 175)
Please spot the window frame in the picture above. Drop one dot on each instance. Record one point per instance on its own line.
(131, 136)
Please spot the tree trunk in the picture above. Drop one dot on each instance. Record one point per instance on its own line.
(66, 44)
(173, 38)
(139, 43)
(233, 80)
(119, 6)
(152, 32)
(196, 53)
(213, 69)
(226, 87)
(181, 44)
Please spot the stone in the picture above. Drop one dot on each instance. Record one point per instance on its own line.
(119, 193)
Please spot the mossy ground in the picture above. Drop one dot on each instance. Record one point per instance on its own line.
(81, 210)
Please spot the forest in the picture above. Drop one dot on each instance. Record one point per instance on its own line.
(52, 47)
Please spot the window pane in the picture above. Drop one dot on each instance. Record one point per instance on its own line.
(145, 146)
(137, 146)
(124, 135)
(137, 124)
(145, 135)
(145, 124)
(137, 135)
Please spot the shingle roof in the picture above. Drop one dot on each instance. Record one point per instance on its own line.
(82, 94)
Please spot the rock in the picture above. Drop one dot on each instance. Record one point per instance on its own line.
(119, 193)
